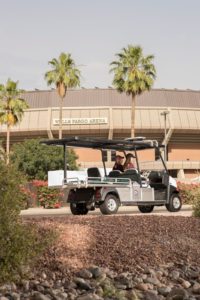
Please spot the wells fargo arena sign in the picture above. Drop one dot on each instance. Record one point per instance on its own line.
(81, 121)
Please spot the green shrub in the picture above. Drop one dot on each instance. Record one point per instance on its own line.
(196, 204)
(20, 244)
(35, 159)
(188, 192)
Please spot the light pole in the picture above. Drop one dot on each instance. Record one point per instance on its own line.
(165, 113)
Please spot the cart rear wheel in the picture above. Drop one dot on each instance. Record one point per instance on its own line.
(110, 205)
(175, 203)
(78, 208)
(145, 209)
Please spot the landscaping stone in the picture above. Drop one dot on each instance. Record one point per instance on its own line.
(196, 288)
(85, 274)
(177, 294)
(81, 283)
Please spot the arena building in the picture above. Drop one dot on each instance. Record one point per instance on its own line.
(106, 113)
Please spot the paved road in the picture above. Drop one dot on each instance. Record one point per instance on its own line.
(186, 211)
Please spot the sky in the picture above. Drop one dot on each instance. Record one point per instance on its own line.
(34, 32)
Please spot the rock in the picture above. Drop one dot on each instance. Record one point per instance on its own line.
(15, 296)
(164, 290)
(25, 285)
(174, 275)
(82, 284)
(102, 277)
(177, 294)
(150, 286)
(85, 274)
(71, 296)
(152, 280)
(196, 288)
(125, 280)
(159, 274)
(40, 288)
(132, 295)
(70, 285)
(138, 280)
(13, 286)
(5, 288)
(149, 295)
(193, 274)
(144, 276)
(99, 291)
(120, 286)
(89, 297)
(96, 271)
(43, 275)
(46, 284)
(186, 284)
(142, 286)
(40, 296)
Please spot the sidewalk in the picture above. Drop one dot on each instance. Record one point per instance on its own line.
(186, 211)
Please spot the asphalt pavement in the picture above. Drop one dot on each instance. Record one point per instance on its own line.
(186, 211)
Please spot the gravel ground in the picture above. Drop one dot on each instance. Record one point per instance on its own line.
(121, 243)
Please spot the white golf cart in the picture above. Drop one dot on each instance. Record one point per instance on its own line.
(132, 187)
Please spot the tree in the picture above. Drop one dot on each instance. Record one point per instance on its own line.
(134, 73)
(35, 159)
(11, 108)
(63, 75)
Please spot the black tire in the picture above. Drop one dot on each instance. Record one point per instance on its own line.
(175, 203)
(78, 208)
(146, 209)
(110, 205)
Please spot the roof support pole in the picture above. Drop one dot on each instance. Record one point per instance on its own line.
(65, 163)
(104, 165)
(49, 132)
(110, 132)
(138, 166)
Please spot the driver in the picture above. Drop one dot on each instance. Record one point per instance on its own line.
(118, 163)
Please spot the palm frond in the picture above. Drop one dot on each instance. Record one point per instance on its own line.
(133, 72)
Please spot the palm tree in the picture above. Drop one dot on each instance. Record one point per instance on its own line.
(11, 108)
(133, 74)
(63, 75)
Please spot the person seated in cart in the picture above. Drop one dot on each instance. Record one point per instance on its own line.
(129, 164)
(118, 166)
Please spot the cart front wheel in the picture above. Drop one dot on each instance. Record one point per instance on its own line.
(110, 205)
(145, 209)
(175, 203)
(78, 208)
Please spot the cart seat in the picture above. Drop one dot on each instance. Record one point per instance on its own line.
(156, 180)
(94, 175)
(114, 173)
(93, 172)
(131, 174)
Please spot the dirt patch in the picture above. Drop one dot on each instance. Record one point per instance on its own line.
(121, 243)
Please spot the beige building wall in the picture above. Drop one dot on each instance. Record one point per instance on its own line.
(184, 152)
(89, 155)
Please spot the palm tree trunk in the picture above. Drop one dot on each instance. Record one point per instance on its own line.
(60, 118)
(8, 144)
(133, 116)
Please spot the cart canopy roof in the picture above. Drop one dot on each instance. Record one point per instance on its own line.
(138, 143)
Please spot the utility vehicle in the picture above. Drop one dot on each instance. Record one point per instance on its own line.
(132, 187)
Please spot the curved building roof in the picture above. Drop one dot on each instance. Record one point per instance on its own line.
(110, 97)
